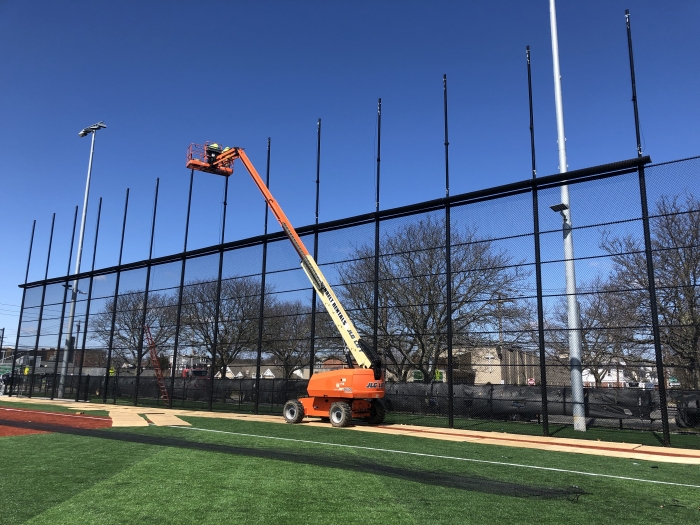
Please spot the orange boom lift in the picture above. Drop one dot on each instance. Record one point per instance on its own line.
(338, 395)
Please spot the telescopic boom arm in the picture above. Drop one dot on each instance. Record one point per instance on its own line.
(364, 354)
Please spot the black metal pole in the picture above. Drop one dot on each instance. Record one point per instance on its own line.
(41, 309)
(538, 260)
(114, 302)
(180, 291)
(14, 352)
(139, 351)
(21, 311)
(318, 166)
(261, 315)
(217, 310)
(532, 117)
(312, 353)
(153, 220)
(648, 250)
(74, 347)
(63, 307)
(634, 84)
(89, 300)
(448, 268)
(375, 324)
(97, 233)
(82, 348)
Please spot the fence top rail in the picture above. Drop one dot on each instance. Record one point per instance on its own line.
(591, 173)
(676, 161)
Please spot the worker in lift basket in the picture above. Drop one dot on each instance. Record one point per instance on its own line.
(213, 150)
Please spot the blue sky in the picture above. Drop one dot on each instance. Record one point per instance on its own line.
(164, 74)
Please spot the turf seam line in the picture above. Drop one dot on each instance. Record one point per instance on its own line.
(437, 456)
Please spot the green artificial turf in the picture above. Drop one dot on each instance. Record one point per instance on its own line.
(52, 408)
(190, 405)
(241, 475)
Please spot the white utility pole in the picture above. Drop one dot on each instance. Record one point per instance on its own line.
(574, 319)
(71, 343)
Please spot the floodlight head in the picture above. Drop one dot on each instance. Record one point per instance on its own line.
(91, 129)
(560, 207)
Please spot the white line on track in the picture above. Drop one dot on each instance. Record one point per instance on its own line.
(471, 460)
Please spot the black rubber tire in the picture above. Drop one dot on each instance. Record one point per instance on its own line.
(377, 413)
(680, 419)
(340, 414)
(293, 411)
(686, 418)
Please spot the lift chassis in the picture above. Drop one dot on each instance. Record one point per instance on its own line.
(336, 395)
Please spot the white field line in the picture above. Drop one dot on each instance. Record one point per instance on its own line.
(471, 460)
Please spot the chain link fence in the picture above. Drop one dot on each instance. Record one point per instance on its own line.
(249, 344)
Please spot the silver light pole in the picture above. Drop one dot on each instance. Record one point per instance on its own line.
(574, 320)
(74, 291)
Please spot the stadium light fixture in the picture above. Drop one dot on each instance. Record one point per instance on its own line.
(90, 129)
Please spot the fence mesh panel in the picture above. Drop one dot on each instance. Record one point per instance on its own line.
(245, 346)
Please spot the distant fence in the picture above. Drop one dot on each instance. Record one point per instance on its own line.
(509, 329)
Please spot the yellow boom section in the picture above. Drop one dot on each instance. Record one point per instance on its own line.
(336, 311)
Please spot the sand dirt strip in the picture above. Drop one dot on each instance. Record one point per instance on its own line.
(129, 416)
(52, 418)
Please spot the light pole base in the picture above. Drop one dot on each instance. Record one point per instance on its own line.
(580, 423)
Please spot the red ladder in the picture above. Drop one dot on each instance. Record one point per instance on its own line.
(156, 364)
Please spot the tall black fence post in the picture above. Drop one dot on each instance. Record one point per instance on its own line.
(87, 306)
(538, 260)
(217, 310)
(82, 359)
(41, 309)
(114, 306)
(312, 351)
(375, 327)
(261, 316)
(21, 312)
(63, 308)
(648, 250)
(448, 268)
(139, 351)
(178, 321)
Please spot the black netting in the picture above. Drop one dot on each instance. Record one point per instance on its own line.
(239, 345)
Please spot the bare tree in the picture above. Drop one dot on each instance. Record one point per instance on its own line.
(328, 343)
(238, 318)
(128, 324)
(287, 336)
(608, 340)
(412, 328)
(675, 232)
